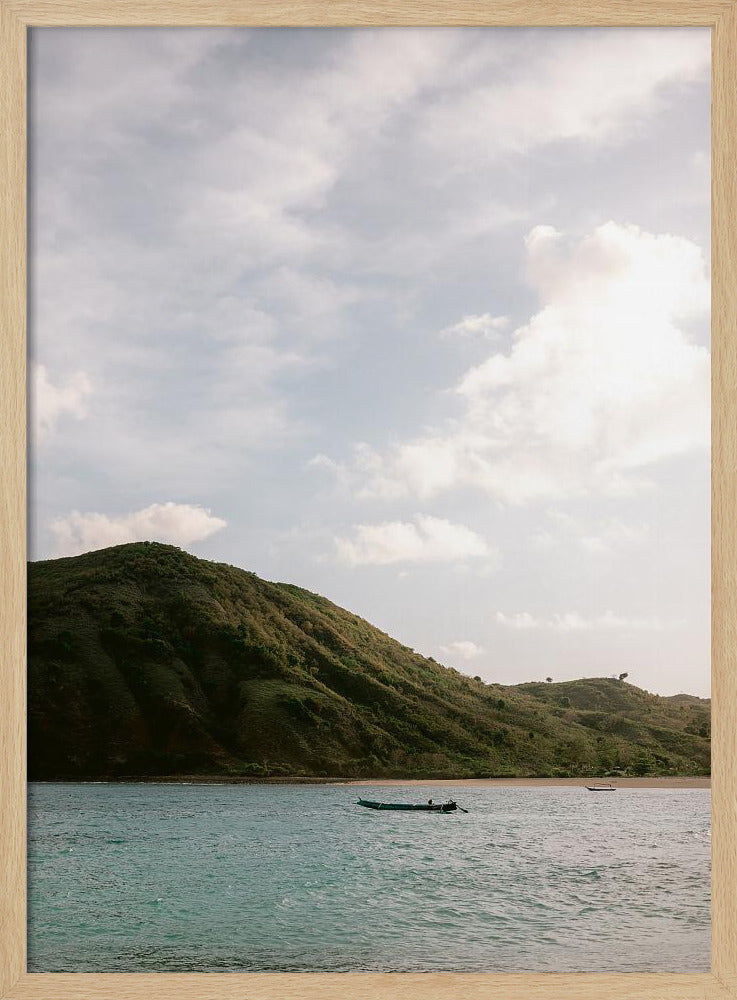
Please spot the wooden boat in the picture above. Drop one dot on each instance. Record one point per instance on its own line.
(602, 788)
(440, 807)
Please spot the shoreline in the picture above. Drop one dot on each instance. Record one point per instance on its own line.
(671, 781)
(654, 781)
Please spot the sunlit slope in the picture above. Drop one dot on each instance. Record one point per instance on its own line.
(145, 660)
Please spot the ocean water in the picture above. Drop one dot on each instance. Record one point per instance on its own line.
(185, 878)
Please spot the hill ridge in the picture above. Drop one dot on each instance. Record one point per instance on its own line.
(145, 660)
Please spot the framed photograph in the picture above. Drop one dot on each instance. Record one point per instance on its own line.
(427, 310)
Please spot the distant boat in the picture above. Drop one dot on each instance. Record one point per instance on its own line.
(602, 788)
(440, 807)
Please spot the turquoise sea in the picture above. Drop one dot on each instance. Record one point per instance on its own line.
(157, 877)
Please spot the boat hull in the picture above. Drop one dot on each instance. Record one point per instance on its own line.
(441, 807)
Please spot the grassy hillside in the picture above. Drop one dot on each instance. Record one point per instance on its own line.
(144, 660)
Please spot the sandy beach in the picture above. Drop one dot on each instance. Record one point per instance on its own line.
(646, 782)
(200, 779)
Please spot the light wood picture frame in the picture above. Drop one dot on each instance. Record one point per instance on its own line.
(16, 17)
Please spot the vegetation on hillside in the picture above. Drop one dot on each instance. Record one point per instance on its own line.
(144, 660)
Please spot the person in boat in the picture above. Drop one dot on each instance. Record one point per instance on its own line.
(429, 802)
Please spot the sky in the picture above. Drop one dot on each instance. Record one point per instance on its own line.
(417, 319)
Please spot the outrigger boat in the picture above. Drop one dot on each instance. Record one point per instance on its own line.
(440, 807)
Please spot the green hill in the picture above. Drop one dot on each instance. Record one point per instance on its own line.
(143, 660)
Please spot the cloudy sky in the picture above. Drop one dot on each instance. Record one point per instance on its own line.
(416, 319)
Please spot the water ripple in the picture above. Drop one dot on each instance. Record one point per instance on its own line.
(298, 878)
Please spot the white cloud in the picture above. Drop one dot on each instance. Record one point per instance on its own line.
(462, 648)
(176, 523)
(600, 384)
(257, 175)
(520, 620)
(49, 402)
(573, 90)
(572, 621)
(321, 461)
(486, 325)
(216, 271)
(426, 539)
(614, 536)
(598, 537)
